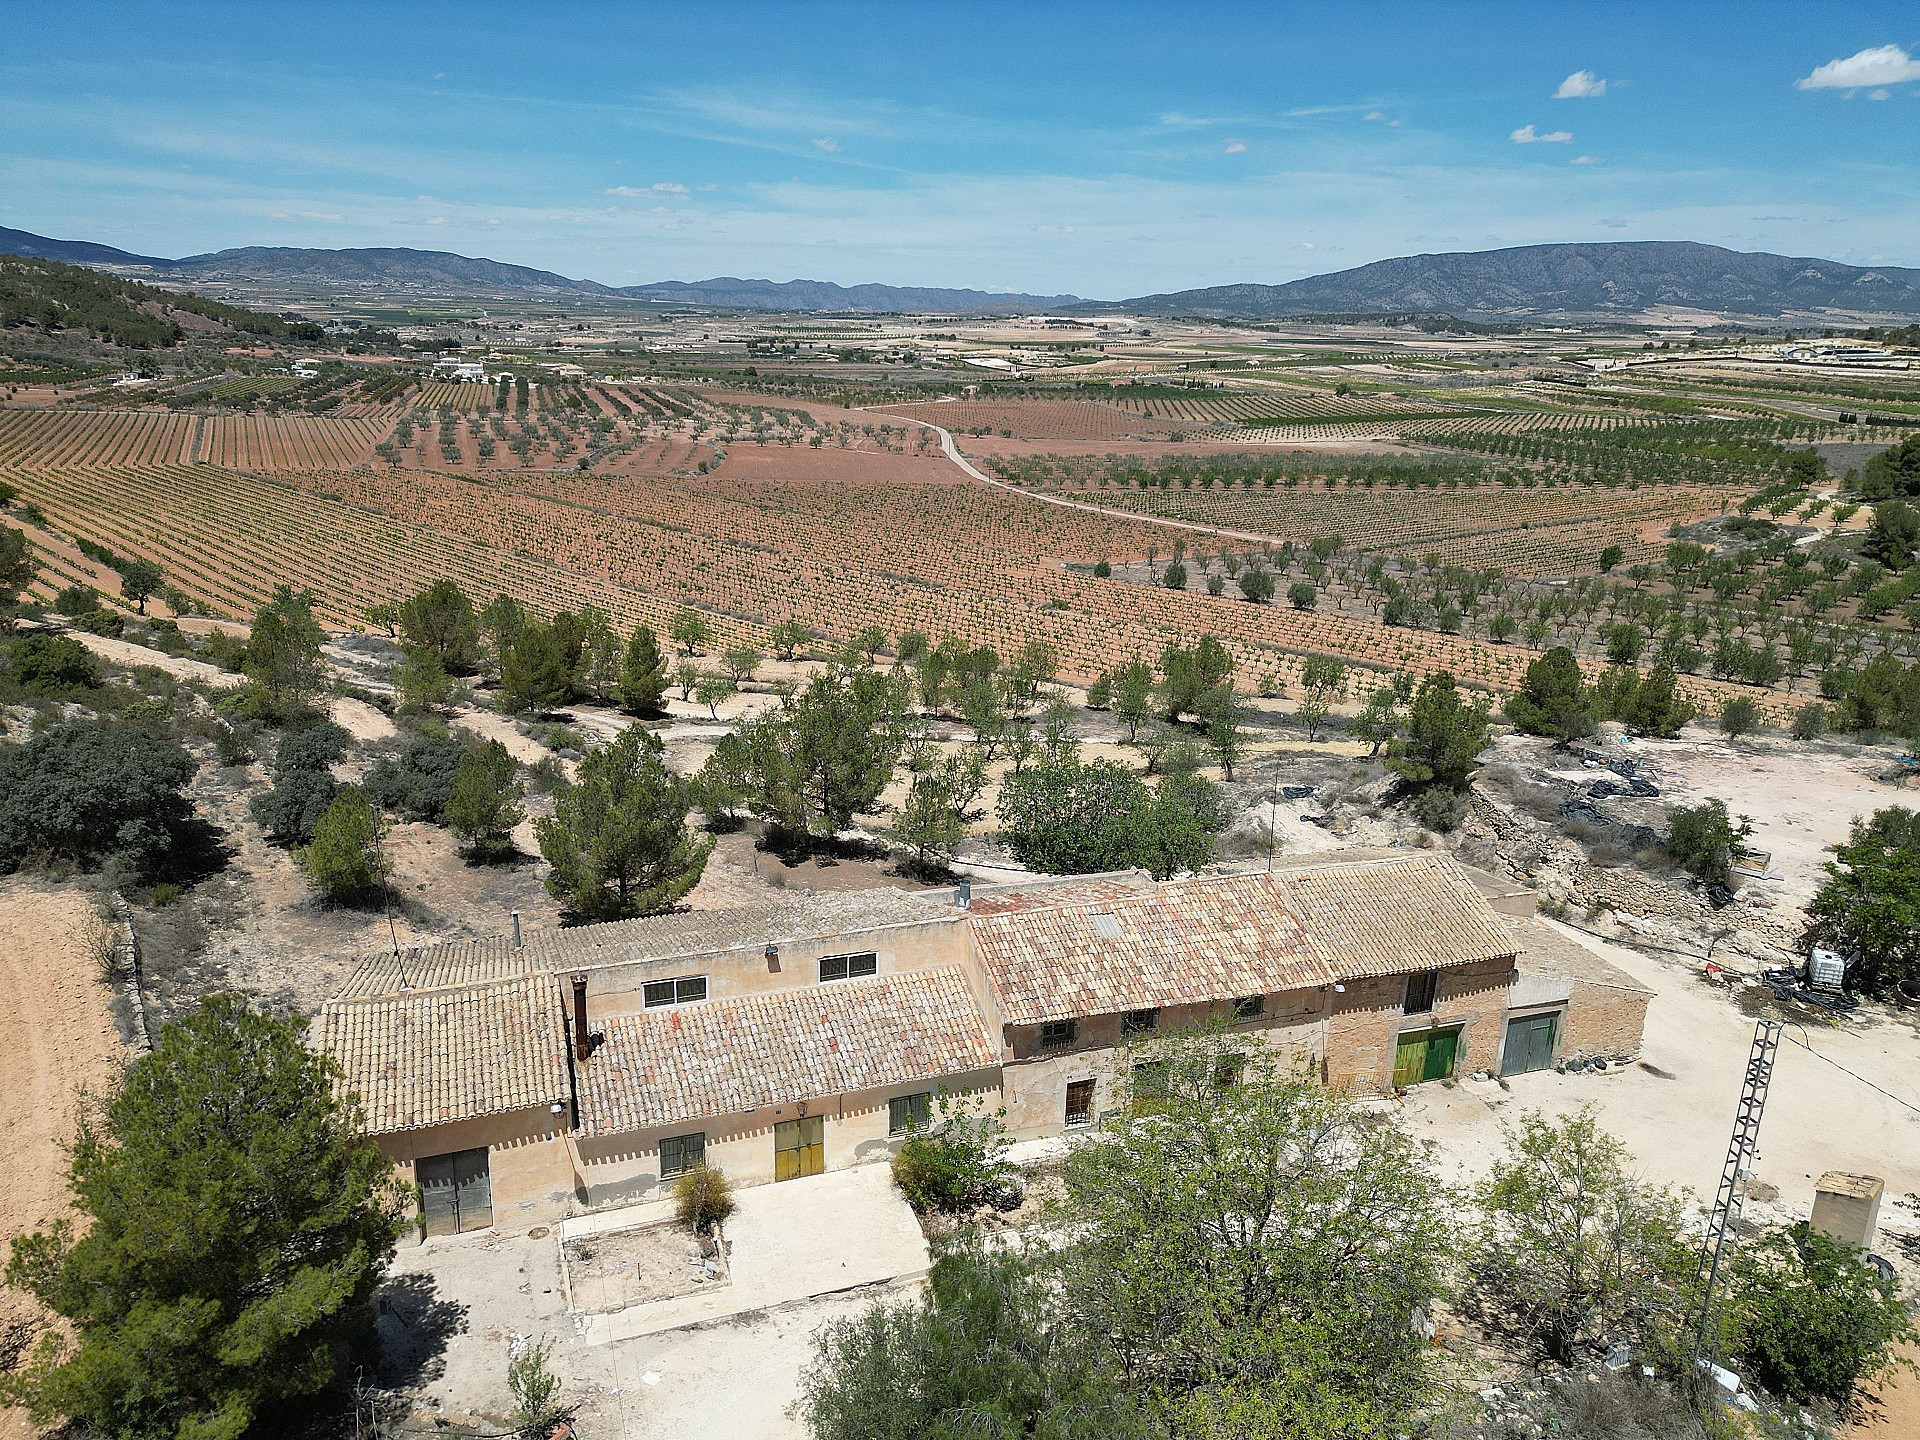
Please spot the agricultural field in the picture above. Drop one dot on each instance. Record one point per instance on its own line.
(1463, 530)
(1039, 419)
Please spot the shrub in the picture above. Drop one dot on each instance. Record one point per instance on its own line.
(1702, 841)
(82, 792)
(1811, 1315)
(51, 664)
(1739, 716)
(344, 861)
(1439, 808)
(702, 1198)
(957, 1164)
(417, 782)
(1810, 721)
(534, 1387)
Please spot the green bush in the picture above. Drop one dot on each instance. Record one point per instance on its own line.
(417, 782)
(344, 860)
(958, 1163)
(1811, 1315)
(702, 1198)
(1739, 716)
(1811, 720)
(1439, 808)
(54, 664)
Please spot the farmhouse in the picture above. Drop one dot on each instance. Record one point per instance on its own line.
(590, 1066)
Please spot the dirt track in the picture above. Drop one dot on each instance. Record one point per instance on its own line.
(58, 1038)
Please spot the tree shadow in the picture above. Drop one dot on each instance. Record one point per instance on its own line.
(412, 1326)
(792, 848)
(199, 852)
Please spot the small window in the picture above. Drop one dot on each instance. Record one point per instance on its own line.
(1420, 988)
(682, 990)
(680, 1153)
(1150, 1080)
(1059, 1032)
(1139, 1022)
(909, 1112)
(1079, 1102)
(1227, 1071)
(848, 967)
(1250, 1007)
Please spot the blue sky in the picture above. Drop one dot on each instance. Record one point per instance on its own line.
(1105, 149)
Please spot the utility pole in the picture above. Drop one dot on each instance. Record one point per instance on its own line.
(1741, 1152)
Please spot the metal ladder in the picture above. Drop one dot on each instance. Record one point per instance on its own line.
(1741, 1152)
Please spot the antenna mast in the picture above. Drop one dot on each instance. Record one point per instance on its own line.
(1741, 1152)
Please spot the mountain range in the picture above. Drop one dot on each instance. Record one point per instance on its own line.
(1620, 280)
(387, 270)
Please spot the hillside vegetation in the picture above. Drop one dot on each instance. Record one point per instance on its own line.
(48, 296)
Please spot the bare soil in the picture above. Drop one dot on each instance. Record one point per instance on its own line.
(619, 1268)
(60, 1040)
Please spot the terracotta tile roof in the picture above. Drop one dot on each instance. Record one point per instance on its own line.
(1220, 937)
(1543, 950)
(440, 1055)
(487, 958)
(1045, 894)
(725, 1057)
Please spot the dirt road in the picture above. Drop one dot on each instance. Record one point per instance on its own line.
(58, 1039)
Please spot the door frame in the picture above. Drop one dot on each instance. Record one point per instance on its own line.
(1424, 1036)
(1556, 1014)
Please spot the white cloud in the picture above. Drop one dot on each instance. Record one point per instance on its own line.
(1881, 65)
(1527, 135)
(1380, 117)
(1236, 147)
(1584, 160)
(827, 143)
(647, 192)
(1581, 85)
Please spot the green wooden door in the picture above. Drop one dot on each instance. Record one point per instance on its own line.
(1442, 1046)
(1409, 1059)
(1425, 1055)
(1529, 1044)
(799, 1147)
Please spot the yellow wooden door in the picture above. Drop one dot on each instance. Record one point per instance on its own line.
(799, 1147)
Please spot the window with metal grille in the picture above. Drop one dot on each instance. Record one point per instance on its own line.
(1079, 1102)
(1059, 1032)
(848, 967)
(1139, 1022)
(680, 1153)
(909, 1112)
(681, 990)
(1250, 1007)
(1420, 988)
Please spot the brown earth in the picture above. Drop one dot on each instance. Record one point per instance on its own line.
(60, 1040)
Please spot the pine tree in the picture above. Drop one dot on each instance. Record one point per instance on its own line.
(643, 675)
(237, 1223)
(484, 804)
(618, 839)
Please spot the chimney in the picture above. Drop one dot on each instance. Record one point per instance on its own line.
(582, 1041)
(516, 929)
(963, 897)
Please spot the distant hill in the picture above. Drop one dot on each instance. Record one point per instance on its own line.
(798, 296)
(379, 268)
(70, 252)
(395, 269)
(49, 296)
(1618, 279)
(1621, 280)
